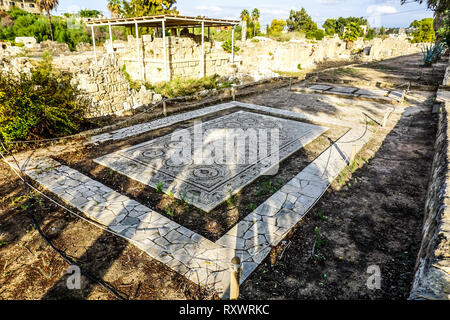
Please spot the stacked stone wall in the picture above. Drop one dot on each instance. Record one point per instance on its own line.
(258, 58)
(432, 277)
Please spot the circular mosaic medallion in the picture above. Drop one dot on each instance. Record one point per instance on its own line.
(206, 172)
(178, 162)
(177, 145)
(232, 124)
(153, 153)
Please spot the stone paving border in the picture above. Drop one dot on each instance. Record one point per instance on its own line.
(188, 253)
(377, 95)
(171, 120)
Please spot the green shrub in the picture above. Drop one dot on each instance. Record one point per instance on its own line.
(38, 106)
(19, 23)
(226, 45)
(319, 34)
(184, 87)
(315, 34)
(310, 35)
(133, 84)
(352, 32)
(444, 30)
(424, 31)
(371, 33)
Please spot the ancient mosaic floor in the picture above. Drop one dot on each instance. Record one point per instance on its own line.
(200, 260)
(209, 182)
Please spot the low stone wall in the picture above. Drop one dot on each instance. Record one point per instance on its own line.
(432, 278)
(108, 91)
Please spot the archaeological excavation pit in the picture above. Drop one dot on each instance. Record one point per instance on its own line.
(133, 189)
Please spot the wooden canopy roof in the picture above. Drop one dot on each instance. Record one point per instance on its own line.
(170, 21)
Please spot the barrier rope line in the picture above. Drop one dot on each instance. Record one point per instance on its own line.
(110, 289)
(29, 187)
(96, 224)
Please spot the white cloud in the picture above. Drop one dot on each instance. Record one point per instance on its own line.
(330, 1)
(274, 12)
(209, 8)
(381, 9)
(73, 9)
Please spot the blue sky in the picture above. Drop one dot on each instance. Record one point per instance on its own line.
(388, 13)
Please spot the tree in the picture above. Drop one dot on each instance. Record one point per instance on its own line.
(90, 13)
(444, 30)
(424, 31)
(276, 26)
(245, 18)
(255, 20)
(115, 7)
(371, 33)
(140, 8)
(352, 32)
(48, 6)
(437, 5)
(330, 26)
(341, 23)
(245, 15)
(440, 8)
(300, 21)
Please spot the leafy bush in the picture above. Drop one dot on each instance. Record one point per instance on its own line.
(371, 33)
(227, 47)
(276, 26)
(224, 35)
(19, 23)
(41, 105)
(352, 32)
(444, 30)
(432, 53)
(424, 31)
(317, 34)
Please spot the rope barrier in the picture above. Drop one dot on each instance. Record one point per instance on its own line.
(44, 237)
(21, 175)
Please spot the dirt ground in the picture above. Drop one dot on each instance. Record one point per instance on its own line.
(390, 73)
(30, 269)
(372, 215)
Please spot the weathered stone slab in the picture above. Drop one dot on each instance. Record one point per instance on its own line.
(347, 90)
(372, 92)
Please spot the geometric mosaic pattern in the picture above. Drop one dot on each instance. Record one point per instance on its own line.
(206, 185)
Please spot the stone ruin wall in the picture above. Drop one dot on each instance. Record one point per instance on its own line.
(110, 93)
(257, 58)
(106, 86)
(108, 90)
(432, 272)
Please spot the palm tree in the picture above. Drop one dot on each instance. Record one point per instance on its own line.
(245, 15)
(48, 6)
(255, 18)
(115, 7)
